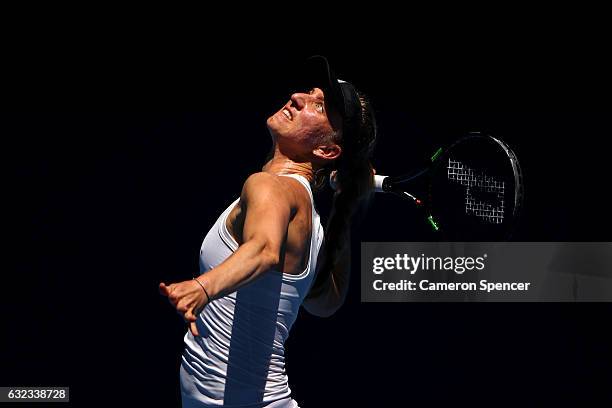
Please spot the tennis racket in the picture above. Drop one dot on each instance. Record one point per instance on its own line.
(470, 191)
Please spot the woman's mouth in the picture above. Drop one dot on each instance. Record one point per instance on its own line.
(287, 113)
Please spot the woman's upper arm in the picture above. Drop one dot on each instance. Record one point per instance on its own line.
(268, 210)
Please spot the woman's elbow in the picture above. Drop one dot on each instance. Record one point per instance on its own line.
(265, 255)
(321, 310)
(269, 258)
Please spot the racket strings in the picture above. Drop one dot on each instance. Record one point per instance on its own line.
(474, 183)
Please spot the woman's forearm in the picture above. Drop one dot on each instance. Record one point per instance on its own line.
(248, 262)
(330, 289)
(339, 278)
(333, 276)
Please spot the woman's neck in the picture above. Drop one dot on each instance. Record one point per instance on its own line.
(280, 164)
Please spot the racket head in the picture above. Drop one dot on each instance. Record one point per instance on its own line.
(475, 190)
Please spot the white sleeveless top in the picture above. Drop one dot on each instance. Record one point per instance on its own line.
(238, 359)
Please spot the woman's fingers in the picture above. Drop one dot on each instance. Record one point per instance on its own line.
(183, 301)
(190, 316)
(167, 290)
(194, 329)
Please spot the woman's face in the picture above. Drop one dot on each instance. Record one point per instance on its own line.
(303, 123)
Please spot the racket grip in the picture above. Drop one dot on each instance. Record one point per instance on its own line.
(378, 182)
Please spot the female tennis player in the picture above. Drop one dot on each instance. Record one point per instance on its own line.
(266, 256)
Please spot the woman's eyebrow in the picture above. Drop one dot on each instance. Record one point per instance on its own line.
(317, 97)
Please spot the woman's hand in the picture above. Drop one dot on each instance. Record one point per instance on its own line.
(188, 298)
(333, 180)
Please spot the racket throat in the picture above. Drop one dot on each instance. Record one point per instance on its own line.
(433, 223)
(416, 200)
(408, 196)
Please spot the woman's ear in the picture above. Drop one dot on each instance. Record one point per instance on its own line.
(330, 152)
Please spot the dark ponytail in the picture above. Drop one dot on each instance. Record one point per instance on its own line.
(354, 175)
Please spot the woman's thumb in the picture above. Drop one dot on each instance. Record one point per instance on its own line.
(190, 317)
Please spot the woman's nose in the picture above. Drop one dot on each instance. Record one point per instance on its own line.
(298, 100)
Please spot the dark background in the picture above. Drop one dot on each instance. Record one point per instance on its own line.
(120, 160)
